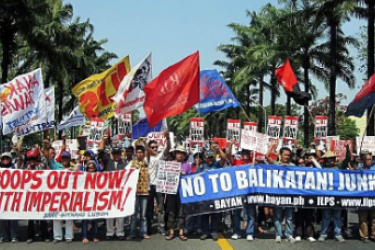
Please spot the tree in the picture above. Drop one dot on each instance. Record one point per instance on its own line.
(335, 12)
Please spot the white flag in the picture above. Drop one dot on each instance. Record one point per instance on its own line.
(75, 118)
(130, 95)
(20, 100)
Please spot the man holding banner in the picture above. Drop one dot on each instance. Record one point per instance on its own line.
(285, 160)
(114, 163)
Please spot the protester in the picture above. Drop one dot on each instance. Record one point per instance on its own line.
(365, 214)
(114, 163)
(285, 160)
(57, 224)
(12, 225)
(174, 208)
(211, 227)
(90, 167)
(152, 157)
(193, 223)
(330, 213)
(142, 195)
(89, 155)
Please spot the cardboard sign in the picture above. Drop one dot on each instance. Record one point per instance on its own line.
(233, 131)
(290, 132)
(248, 140)
(95, 134)
(161, 140)
(197, 131)
(168, 177)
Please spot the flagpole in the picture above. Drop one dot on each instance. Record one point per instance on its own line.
(368, 122)
(243, 110)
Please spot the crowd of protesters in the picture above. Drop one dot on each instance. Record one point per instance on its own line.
(165, 213)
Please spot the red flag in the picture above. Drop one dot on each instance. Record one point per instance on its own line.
(174, 91)
(285, 76)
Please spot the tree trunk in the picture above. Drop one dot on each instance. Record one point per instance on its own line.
(247, 108)
(306, 111)
(5, 59)
(273, 93)
(260, 110)
(288, 105)
(370, 59)
(332, 80)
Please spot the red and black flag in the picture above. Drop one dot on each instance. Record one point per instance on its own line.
(285, 76)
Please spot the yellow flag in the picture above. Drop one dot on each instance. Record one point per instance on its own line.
(95, 92)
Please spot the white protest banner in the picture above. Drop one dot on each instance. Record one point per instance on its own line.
(168, 177)
(262, 143)
(95, 135)
(248, 140)
(252, 126)
(43, 121)
(19, 100)
(368, 143)
(75, 118)
(49, 195)
(196, 131)
(130, 95)
(233, 131)
(290, 132)
(320, 131)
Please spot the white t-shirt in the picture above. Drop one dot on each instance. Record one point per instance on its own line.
(152, 167)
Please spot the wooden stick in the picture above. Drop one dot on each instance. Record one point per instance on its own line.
(368, 122)
(243, 110)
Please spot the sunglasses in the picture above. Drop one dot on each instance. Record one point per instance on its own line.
(32, 159)
(301, 162)
(154, 147)
(5, 158)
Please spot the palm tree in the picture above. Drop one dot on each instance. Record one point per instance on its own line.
(335, 12)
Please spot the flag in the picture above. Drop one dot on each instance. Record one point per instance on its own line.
(285, 76)
(174, 91)
(75, 118)
(45, 120)
(364, 99)
(142, 129)
(95, 92)
(21, 99)
(130, 95)
(215, 95)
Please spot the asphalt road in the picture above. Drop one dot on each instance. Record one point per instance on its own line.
(264, 241)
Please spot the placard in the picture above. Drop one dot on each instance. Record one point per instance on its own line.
(233, 131)
(95, 134)
(168, 177)
(290, 132)
(197, 131)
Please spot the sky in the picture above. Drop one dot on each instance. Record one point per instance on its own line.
(172, 30)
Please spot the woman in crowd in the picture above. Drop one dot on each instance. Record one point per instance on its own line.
(174, 209)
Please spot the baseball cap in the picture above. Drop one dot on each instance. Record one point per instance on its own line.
(66, 154)
(32, 154)
(6, 154)
(208, 154)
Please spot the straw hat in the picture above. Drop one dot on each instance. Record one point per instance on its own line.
(329, 154)
(181, 149)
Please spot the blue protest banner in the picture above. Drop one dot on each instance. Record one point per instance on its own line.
(275, 185)
(215, 95)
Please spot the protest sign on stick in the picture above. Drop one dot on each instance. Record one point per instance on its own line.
(125, 129)
(197, 131)
(233, 131)
(248, 140)
(320, 131)
(95, 134)
(290, 132)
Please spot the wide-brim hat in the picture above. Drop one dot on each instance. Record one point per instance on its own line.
(181, 149)
(329, 154)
